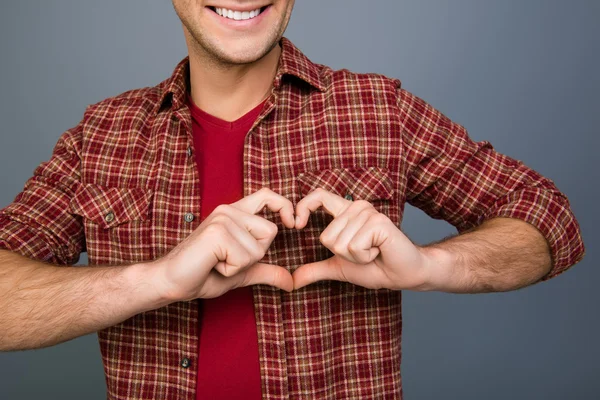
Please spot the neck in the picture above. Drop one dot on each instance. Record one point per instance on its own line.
(230, 91)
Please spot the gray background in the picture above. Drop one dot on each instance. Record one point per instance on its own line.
(522, 74)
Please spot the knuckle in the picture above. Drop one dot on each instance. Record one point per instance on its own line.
(272, 229)
(355, 251)
(353, 248)
(362, 204)
(380, 218)
(241, 262)
(218, 219)
(222, 209)
(324, 239)
(371, 211)
(276, 277)
(339, 248)
(216, 229)
(229, 271)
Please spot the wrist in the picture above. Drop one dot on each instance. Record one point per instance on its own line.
(147, 281)
(439, 265)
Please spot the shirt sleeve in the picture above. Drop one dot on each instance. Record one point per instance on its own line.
(38, 223)
(451, 177)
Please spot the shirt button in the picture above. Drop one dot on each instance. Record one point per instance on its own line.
(189, 217)
(185, 363)
(349, 197)
(110, 217)
(189, 151)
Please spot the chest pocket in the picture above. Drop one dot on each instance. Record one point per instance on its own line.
(116, 220)
(365, 183)
(372, 184)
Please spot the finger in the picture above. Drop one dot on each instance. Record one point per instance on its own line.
(261, 229)
(265, 274)
(331, 235)
(330, 269)
(332, 203)
(229, 254)
(217, 285)
(267, 198)
(341, 243)
(366, 243)
(333, 230)
(242, 249)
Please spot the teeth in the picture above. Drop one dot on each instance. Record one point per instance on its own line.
(237, 15)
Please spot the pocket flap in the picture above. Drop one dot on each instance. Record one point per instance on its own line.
(363, 183)
(109, 207)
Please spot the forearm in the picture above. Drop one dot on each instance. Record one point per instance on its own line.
(42, 305)
(500, 255)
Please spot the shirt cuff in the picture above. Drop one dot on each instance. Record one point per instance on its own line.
(551, 214)
(21, 239)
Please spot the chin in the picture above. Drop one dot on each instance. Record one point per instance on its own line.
(244, 52)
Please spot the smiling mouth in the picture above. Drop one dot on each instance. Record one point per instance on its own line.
(238, 15)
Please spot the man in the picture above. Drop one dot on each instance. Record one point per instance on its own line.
(129, 184)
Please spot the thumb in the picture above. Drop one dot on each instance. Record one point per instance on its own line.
(265, 274)
(330, 269)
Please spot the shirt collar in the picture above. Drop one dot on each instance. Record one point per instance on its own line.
(292, 62)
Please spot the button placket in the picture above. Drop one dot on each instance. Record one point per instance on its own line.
(183, 116)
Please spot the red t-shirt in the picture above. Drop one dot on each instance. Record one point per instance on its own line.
(228, 362)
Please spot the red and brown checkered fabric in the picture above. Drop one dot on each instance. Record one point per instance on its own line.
(119, 186)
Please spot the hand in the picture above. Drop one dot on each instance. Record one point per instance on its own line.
(223, 252)
(369, 250)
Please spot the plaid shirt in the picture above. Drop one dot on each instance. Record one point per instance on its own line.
(122, 185)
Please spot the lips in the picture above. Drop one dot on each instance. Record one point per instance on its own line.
(238, 15)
